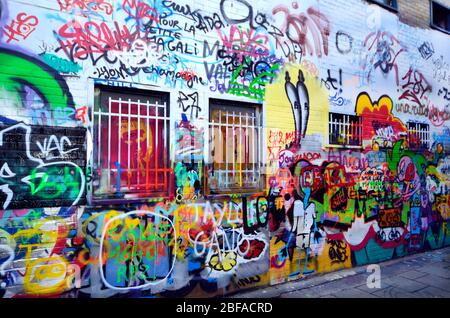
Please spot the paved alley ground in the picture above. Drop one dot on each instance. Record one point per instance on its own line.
(424, 275)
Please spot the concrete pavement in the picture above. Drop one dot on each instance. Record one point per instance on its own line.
(423, 275)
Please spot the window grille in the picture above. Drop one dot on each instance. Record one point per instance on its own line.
(130, 144)
(388, 4)
(345, 130)
(440, 17)
(235, 147)
(418, 135)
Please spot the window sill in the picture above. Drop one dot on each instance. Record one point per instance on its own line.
(439, 29)
(157, 197)
(343, 146)
(229, 195)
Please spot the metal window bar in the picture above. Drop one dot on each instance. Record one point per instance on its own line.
(147, 153)
(99, 151)
(226, 152)
(259, 145)
(109, 144)
(157, 144)
(138, 142)
(111, 167)
(129, 172)
(247, 150)
(233, 129)
(419, 134)
(346, 121)
(212, 148)
(253, 160)
(331, 129)
(352, 131)
(345, 130)
(165, 171)
(119, 137)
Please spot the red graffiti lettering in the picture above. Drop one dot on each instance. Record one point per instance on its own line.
(85, 6)
(81, 114)
(79, 41)
(23, 26)
(298, 26)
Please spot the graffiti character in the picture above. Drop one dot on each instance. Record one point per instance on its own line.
(299, 99)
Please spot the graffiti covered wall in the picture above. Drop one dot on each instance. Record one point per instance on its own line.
(120, 175)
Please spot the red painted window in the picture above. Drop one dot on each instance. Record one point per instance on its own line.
(235, 147)
(345, 130)
(418, 136)
(131, 130)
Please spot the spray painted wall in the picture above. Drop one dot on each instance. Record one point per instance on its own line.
(321, 207)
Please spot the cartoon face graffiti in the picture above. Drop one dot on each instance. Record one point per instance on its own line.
(407, 174)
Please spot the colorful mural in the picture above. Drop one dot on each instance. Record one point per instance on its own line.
(110, 194)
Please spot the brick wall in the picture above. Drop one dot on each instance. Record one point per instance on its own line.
(415, 13)
(101, 197)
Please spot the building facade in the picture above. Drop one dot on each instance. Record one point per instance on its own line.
(198, 148)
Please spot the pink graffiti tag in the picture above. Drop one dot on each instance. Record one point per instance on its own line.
(81, 114)
(437, 116)
(245, 43)
(23, 26)
(298, 26)
(85, 6)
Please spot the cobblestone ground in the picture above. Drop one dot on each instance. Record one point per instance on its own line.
(424, 275)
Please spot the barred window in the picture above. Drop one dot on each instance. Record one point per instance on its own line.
(388, 4)
(131, 135)
(440, 17)
(345, 130)
(235, 147)
(418, 135)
